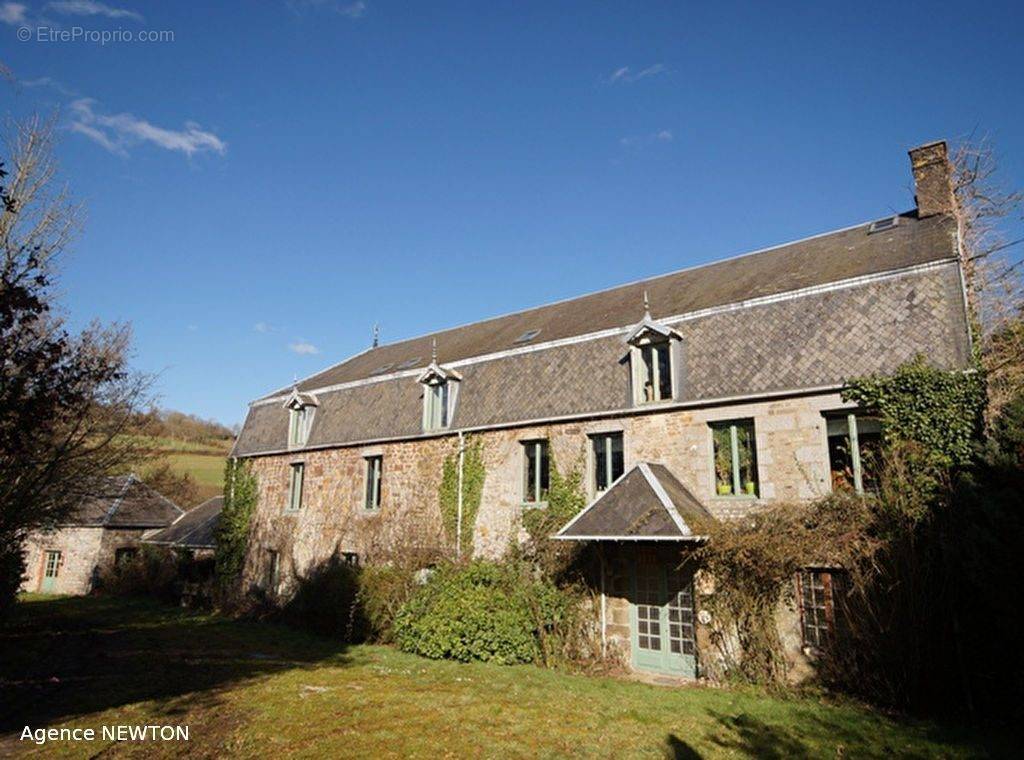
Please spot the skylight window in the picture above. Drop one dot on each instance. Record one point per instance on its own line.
(883, 224)
(409, 363)
(382, 370)
(526, 337)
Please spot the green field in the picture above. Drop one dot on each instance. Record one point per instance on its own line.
(259, 690)
(204, 461)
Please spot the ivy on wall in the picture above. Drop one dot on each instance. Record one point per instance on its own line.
(473, 474)
(940, 411)
(240, 493)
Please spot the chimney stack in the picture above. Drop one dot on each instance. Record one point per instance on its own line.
(933, 179)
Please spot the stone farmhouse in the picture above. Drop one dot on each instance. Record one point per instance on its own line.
(104, 530)
(703, 392)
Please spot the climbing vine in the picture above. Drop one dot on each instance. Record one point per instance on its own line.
(473, 474)
(240, 492)
(937, 410)
(566, 498)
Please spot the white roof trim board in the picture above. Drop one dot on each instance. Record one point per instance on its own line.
(666, 501)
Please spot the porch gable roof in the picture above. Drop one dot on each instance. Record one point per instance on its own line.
(647, 503)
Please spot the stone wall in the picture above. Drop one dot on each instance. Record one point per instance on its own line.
(79, 549)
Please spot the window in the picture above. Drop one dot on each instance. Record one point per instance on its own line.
(536, 477)
(53, 563)
(299, 422)
(735, 458)
(816, 592)
(854, 443)
(273, 570)
(350, 558)
(374, 472)
(607, 458)
(295, 486)
(653, 372)
(124, 555)
(435, 405)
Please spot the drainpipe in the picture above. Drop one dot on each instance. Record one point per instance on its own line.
(604, 608)
(458, 512)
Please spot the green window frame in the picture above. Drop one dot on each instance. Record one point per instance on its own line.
(653, 372)
(734, 458)
(374, 481)
(536, 472)
(53, 563)
(300, 419)
(607, 456)
(854, 441)
(296, 478)
(435, 406)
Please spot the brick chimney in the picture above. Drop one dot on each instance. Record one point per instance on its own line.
(933, 179)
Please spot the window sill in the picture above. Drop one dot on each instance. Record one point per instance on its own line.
(290, 511)
(735, 497)
(533, 505)
(368, 512)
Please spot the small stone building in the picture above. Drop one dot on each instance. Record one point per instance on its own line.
(700, 394)
(105, 529)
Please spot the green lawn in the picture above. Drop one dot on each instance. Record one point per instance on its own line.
(206, 469)
(254, 689)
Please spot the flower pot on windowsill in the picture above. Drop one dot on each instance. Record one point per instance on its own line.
(750, 488)
(724, 490)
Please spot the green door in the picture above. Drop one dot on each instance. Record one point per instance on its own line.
(51, 569)
(662, 620)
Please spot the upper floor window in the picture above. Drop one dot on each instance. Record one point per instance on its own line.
(608, 461)
(301, 407)
(296, 476)
(854, 444)
(374, 479)
(536, 473)
(734, 458)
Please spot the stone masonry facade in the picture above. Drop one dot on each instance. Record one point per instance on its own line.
(86, 553)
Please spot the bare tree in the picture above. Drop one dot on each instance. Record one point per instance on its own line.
(993, 266)
(66, 401)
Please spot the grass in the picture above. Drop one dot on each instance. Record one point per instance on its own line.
(203, 461)
(255, 689)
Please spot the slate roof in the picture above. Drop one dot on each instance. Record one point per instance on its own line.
(125, 502)
(195, 529)
(647, 503)
(865, 302)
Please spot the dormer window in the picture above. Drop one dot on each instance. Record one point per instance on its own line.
(440, 389)
(651, 360)
(301, 408)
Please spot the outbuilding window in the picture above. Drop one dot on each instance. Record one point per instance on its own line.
(817, 590)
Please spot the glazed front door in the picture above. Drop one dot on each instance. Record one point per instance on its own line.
(663, 620)
(51, 569)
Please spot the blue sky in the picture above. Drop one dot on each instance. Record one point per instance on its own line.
(282, 175)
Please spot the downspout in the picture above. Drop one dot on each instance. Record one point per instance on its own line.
(458, 511)
(604, 607)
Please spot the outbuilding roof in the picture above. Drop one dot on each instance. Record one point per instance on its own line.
(125, 502)
(646, 503)
(195, 529)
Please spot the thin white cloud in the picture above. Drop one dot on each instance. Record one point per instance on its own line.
(263, 327)
(119, 132)
(303, 348)
(354, 10)
(48, 82)
(626, 74)
(13, 14)
(661, 136)
(91, 8)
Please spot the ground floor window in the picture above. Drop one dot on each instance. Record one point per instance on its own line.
(350, 558)
(53, 562)
(273, 575)
(817, 590)
(124, 555)
(854, 442)
(735, 458)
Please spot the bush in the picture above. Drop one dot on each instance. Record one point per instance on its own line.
(153, 571)
(482, 611)
(383, 589)
(12, 571)
(326, 601)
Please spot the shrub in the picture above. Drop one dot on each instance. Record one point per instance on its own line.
(153, 571)
(481, 611)
(326, 601)
(383, 589)
(12, 571)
